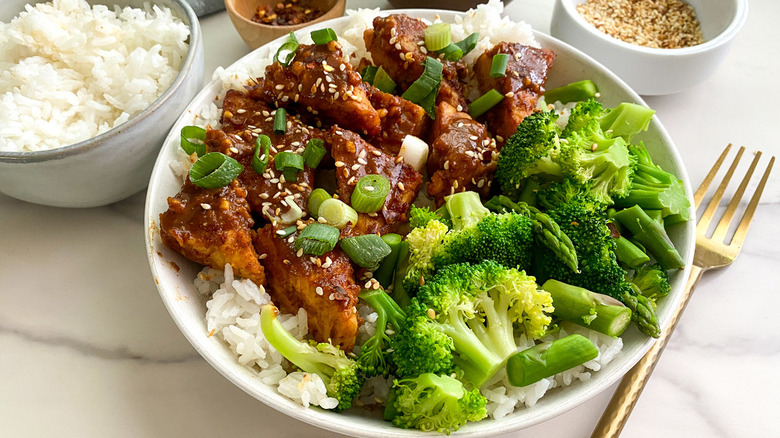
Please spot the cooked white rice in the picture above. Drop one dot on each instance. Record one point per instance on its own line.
(69, 72)
(233, 310)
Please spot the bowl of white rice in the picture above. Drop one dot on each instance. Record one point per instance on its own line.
(219, 313)
(88, 92)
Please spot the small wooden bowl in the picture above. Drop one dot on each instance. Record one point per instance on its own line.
(257, 34)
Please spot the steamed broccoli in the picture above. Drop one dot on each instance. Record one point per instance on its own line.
(655, 189)
(420, 216)
(341, 375)
(652, 281)
(531, 151)
(419, 347)
(423, 242)
(625, 121)
(477, 306)
(430, 402)
(373, 353)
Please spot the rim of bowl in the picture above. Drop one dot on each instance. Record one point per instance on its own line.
(93, 142)
(740, 16)
(230, 6)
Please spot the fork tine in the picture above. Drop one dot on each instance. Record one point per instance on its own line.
(747, 217)
(699, 195)
(704, 222)
(725, 221)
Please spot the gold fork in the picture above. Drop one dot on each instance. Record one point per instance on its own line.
(711, 253)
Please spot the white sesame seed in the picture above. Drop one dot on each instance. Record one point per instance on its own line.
(319, 290)
(205, 206)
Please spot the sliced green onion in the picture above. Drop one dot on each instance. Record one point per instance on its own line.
(424, 90)
(484, 103)
(294, 213)
(335, 212)
(280, 121)
(314, 152)
(317, 239)
(370, 193)
(574, 92)
(437, 36)
(316, 198)
(498, 67)
(323, 36)
(287, 231)
(214, 170)
(286, 52)
(383, 81)
(189, 133)
(289, 163)
(367, 250)
(260, 157)
(368, 73)
(453, 52)
(384, 273)
(469, 43)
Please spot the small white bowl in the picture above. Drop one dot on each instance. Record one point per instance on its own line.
(652, 71)
(117, 163)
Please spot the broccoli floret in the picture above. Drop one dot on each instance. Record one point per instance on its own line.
(652, 280)
(430, 402)
(341, 375)
(373, 352)
(424, 242)
(477, 306)
(465, 209)
(655, 189)
(419, 347)
(582, 115)
(420, 216)
(531, 151)
(625, 120)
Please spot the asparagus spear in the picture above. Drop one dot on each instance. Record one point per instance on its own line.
(643, 310)
(630, 254)
(580, 306)
(549, 358)
(651, 235)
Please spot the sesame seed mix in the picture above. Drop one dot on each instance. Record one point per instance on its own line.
(660, 24)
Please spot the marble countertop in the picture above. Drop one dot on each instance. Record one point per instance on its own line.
(88, 349)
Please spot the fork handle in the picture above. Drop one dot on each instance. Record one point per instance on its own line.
(625, 397)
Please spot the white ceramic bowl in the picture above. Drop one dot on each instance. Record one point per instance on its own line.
(118, 162)
(174, 275)
(652, 71)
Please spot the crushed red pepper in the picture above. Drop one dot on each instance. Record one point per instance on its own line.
(287, 13)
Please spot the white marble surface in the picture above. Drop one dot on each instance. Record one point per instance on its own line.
(87, 348)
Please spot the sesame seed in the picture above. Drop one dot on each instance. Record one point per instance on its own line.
(431, 314)
(377, 153)
(280, 232)
(205, 206)
(362, 161)
(331, 297)
(299, 253)
(509, 94)
(262, 256)
(401, 186)
(322, 220)
(473, 137)
(319, 290)
(355, 166)
(339, 163)
(369, 188)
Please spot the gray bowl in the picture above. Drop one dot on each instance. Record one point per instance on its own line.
(117, 163)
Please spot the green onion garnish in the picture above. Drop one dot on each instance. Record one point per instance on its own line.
(280, 121)
(335, 212)
(368, 73)
(498, 67)
(366, 250)
(286, 52)
(289, 163)
(294, 213)
(383, 81)
(370, 193)
(287, 231)
(214, 170)
(469, 43)
(260, 157)
(424, 90)
(317, 239)
(453, 52)
(437, 36)
(574, 92)
(484, 103)
(189, 133)
(316, 198)
(384, 273)
(323, 36)
(314, 152)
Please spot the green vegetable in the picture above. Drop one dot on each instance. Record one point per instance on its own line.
(652, 281)
(289, 163)
(437, 36)
(323, 36)
(286, 52)
(484, 103)
(588, 309)
(399, 293)
(261, 154)
(383, 81)
(629, 254)
(214, 170)
(341, 375)
(651, 235)
(287, 231)
(366, 250)
(573, 92)
(434, 403)
(368, 73)
(189, 133)
(317, 239)
(373, 357)
(452, 52)
(498, 65)
(424, 90)
(469, 43)
(316, 198)
(370, 193)
(314, 152)
(549, 358)
(384, 274)
(336, 213)
(280, 121)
